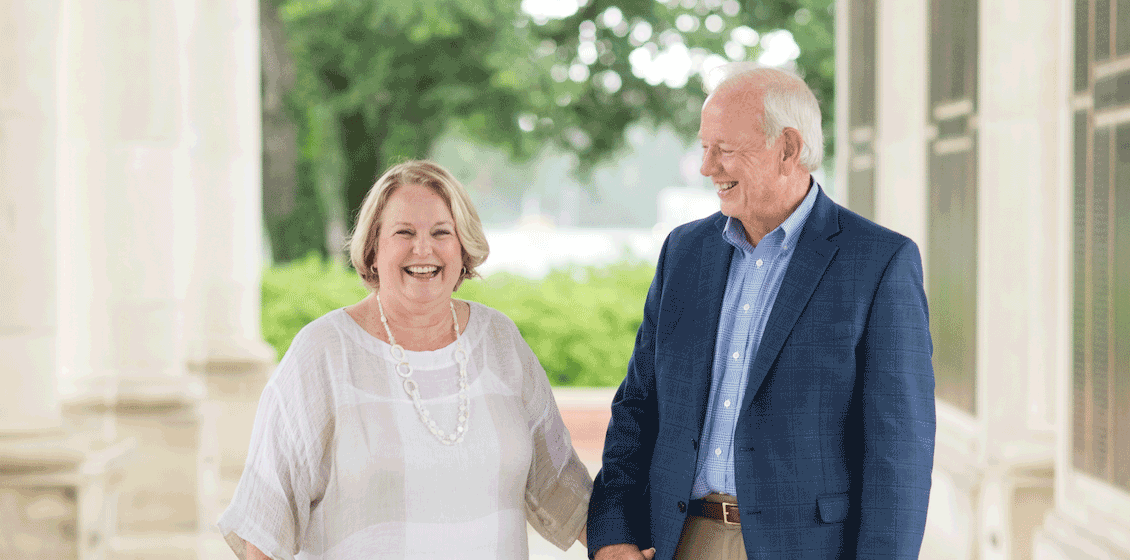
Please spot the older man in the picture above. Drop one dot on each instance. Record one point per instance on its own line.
(780, 399)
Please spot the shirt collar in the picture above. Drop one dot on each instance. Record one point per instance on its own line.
(734, 233)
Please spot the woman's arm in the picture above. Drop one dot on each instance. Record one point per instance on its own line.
(558, 484)
(252, 553)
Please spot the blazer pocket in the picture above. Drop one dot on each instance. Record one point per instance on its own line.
(833, 507)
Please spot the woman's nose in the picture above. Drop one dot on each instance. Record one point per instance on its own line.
(422, 246)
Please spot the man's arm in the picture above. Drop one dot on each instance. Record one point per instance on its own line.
(898, 419)
(619, 511)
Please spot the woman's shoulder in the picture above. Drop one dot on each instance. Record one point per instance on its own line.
(309, 358)
(492, 321)
(321, 332)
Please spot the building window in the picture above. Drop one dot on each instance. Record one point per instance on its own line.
(951, 273)
(1101, 246)
(861, 107)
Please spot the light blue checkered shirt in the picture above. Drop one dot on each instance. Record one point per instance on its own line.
(755, 278)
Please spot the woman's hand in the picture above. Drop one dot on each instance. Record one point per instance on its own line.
(624, 552)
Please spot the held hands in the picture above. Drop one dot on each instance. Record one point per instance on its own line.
(624, 552)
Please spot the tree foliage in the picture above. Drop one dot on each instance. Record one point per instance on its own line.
(377, 82)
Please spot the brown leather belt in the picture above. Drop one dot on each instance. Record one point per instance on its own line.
(724, 512)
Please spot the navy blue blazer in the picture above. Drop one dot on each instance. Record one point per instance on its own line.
(835, 437)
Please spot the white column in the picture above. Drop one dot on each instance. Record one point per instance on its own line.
(1019, 97)
(54, 485)
(900, 102)
(223, 334)
(226, 159)
(28, 400)
(129, 238)
(843, 83)
(130, 242)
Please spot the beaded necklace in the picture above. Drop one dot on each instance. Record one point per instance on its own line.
(404, 370)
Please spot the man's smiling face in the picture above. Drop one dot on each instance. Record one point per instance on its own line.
(735, 157)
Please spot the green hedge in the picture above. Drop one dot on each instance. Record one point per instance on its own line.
(581, 322)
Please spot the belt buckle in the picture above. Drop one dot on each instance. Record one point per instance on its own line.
(726, 509)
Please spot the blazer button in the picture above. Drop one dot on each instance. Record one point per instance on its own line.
(682, 507)
(694, 444)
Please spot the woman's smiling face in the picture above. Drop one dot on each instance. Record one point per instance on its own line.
(419, 257)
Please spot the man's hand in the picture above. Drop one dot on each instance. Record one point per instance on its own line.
(624, 552)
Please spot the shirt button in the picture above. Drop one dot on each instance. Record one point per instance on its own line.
(759, 263)
(745, 307)
(736, 355)
(727, 403)
(718, 451)
(785, 246)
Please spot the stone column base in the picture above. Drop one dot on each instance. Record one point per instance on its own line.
(233, 394)
(951, 520)
(58, 495)
(163, 490)
(1063, 538)
(1014, 500)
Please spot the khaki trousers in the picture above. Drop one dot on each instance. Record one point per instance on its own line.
(709, 539)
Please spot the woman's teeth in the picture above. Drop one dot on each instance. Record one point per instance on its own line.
(422, 271)
(726, 186)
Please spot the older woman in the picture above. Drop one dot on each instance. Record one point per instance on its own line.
(410, 424)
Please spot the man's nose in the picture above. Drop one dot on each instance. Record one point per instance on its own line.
(709, 163)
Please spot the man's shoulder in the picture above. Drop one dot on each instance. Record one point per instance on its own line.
(859, 233)
(690, 240)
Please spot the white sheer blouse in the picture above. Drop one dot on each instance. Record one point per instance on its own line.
(341, 467)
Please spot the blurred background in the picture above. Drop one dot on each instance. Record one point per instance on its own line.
(177, 179)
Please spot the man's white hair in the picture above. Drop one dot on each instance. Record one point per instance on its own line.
(788, 102)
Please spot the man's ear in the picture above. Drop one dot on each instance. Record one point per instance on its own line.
(790, 154)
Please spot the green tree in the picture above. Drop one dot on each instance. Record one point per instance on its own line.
(376, 82)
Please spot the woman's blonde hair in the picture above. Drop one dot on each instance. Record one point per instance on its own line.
(468, 227)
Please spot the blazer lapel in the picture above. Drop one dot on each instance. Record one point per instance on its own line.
(806, 268)
(713, 272)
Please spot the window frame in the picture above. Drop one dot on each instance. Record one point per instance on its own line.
(1092, 121)
(952, 106)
